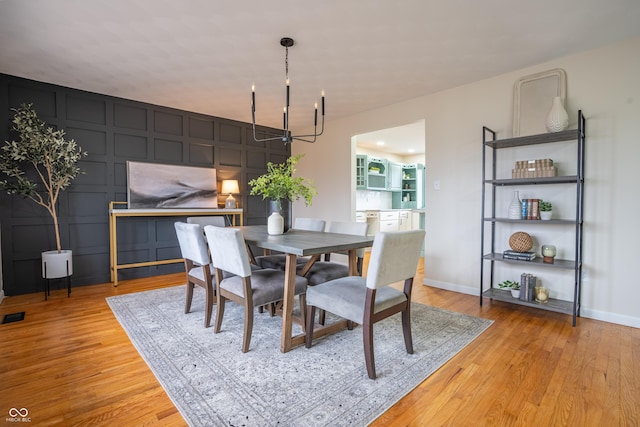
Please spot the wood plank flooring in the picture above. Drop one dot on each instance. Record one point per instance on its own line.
(70, 364)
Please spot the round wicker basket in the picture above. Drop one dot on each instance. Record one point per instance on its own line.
(520, 241)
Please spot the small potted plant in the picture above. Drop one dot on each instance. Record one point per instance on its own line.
(279, 184)
(545, 210)
(508, 284)
(38, 166)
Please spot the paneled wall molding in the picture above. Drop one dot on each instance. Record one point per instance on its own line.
(113, 130)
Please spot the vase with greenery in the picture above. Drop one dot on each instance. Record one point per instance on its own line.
(279, 184)
(40, 164)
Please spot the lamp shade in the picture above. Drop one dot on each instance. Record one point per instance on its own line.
(230, 186)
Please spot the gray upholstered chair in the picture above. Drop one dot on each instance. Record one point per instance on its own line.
(278, 261)
(323, 271)
(251, 288)
(197, 264)
(366, 300)
(217, 220)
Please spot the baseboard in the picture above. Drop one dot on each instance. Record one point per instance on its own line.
(618, 319)
(1, 295)
(450, 287)
(604, 316)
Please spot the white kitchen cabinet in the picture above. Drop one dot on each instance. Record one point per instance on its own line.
(389, 220)
(404, 220)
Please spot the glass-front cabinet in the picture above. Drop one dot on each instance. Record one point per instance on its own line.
(361, 172)
(376, 173)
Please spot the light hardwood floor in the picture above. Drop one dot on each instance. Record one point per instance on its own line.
(71, 364)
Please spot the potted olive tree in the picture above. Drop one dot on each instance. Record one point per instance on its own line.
(279, 184)
(39, 165)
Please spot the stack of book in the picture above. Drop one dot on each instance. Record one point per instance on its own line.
(527, 285)
(530, 209)
(521, 256)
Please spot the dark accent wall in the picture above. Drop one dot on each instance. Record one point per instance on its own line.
(113, 130)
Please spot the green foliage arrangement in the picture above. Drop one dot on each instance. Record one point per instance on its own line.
(545, 206)
(509, 284)
(40, 164)
(279, 183)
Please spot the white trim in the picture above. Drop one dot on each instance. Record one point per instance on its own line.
(604, 316)
(1, 295)
(450, 287)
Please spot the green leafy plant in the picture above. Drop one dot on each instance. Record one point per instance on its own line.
(545, 206)
(279, 183)
(40, 164)
(509, 284)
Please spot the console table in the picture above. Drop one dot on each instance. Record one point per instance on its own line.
(115, 213)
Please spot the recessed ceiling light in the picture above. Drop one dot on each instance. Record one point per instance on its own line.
(411, 150)
(380, 143)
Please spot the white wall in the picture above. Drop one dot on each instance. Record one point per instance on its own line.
(603, 83)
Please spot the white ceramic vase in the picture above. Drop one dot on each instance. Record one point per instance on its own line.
(57, 264)
(515, 207)
(557, 119)
(275, 223)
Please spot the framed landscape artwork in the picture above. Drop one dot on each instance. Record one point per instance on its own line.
(154, 185)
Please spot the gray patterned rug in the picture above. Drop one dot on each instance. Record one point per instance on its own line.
(212, 383)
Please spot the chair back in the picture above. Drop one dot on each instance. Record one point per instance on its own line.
(217, 221)
(193, 245)
(309, 224)
(394, 257)
(228, 250)
(355, 228)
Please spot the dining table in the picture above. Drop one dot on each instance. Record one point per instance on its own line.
(302, 243)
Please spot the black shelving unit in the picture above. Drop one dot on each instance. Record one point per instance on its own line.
(490, 184)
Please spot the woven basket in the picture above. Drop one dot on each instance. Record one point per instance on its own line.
(520, 242)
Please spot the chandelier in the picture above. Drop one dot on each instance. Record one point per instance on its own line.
(286, 136)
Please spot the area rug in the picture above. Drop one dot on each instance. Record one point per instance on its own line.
(212, 382)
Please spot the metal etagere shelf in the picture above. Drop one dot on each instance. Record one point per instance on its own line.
(489, 187)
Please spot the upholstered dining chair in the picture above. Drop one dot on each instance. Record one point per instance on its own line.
(217, 221)
(325, 270)
(250, 288)
(278, 261)
(197, 263)
(366, 300)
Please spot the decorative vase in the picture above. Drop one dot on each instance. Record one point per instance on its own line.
(557, 119)
(275, 223)
(515, 207)
(57, 264)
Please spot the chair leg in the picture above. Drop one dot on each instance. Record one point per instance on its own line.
(302, 299)
(248, 324)
(367, 335)
(187, 305)
(311, 314)
(406, 329)
(208, 306)
(219, 313)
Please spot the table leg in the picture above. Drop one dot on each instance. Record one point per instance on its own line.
(287, 308)
(353, 263)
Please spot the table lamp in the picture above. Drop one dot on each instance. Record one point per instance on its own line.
(230, 186)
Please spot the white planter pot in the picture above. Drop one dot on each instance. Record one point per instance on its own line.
(545, 215)
(57, 264)
(275, 223)
(515, 293)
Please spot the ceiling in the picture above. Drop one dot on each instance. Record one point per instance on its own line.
(203, 55)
